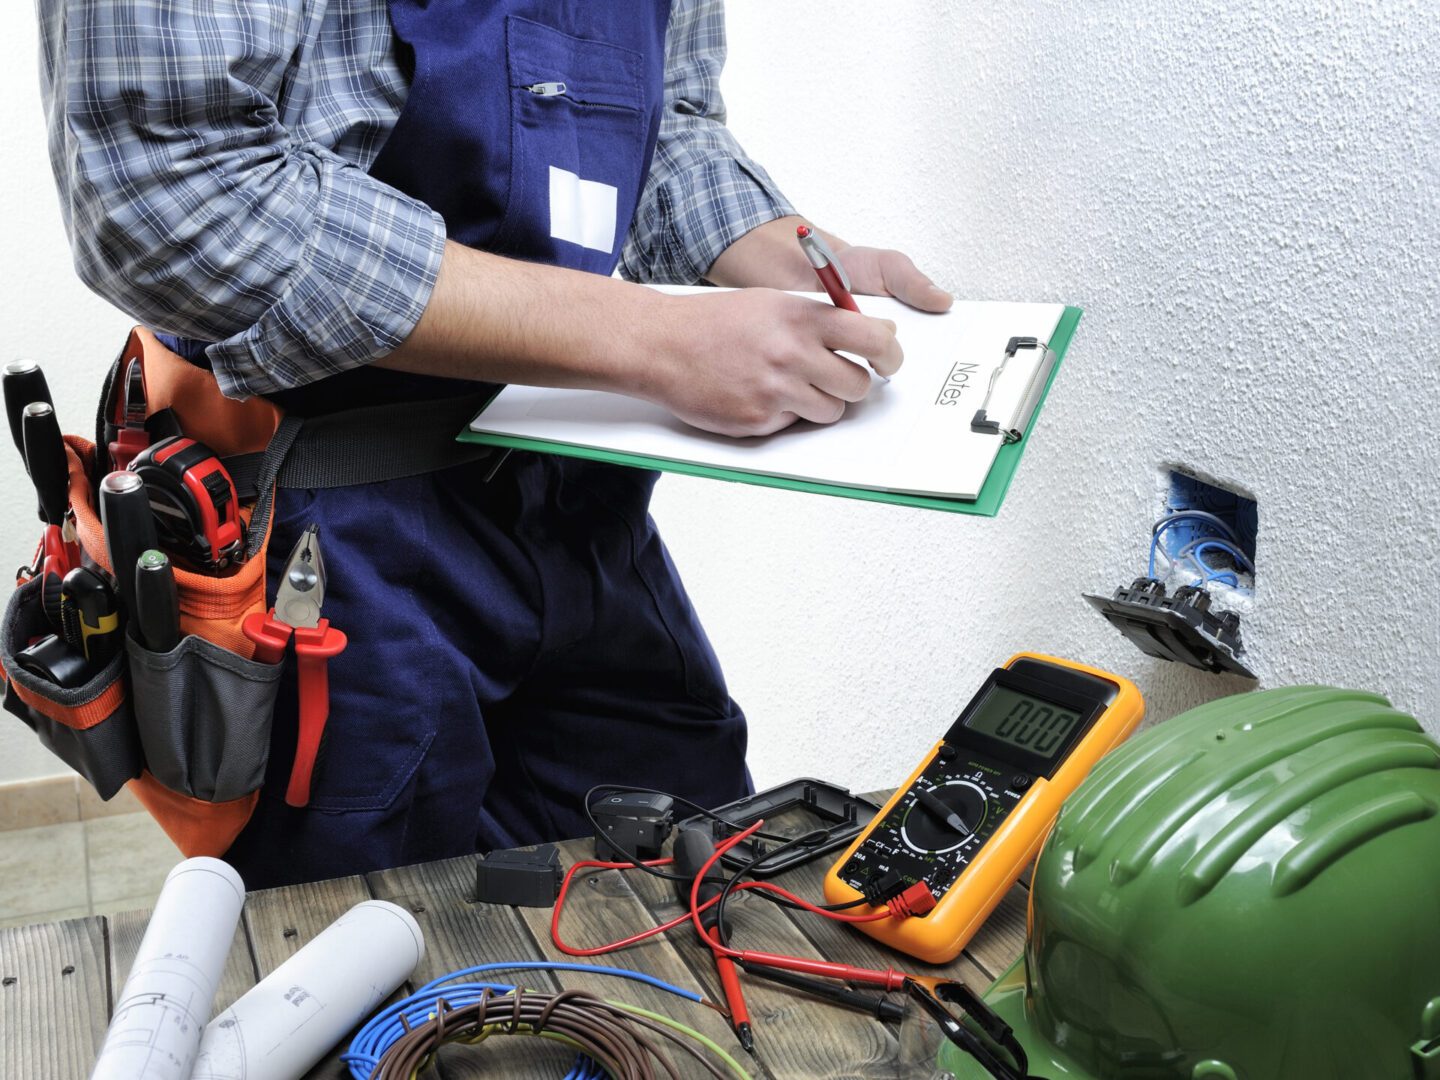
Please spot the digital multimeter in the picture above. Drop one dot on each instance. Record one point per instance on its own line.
(977, 809)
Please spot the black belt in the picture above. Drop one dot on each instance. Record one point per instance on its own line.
(358, 446)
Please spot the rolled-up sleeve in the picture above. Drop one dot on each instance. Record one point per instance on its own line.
(191, 206)
(703, 193)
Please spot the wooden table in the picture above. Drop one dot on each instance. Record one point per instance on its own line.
(60, 979)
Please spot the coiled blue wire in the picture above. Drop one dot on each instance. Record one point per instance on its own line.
(383, 1029)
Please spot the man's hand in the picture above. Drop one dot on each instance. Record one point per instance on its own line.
(882, 272)
(770, 256)
(739, 363)
(754, 361)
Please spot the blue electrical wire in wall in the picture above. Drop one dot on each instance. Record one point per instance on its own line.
(1227, 541)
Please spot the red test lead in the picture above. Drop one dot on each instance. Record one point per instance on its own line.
(827, 268)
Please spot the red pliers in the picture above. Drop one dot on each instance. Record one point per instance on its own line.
(296, 617)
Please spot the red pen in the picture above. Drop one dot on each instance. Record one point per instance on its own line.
(827, 268)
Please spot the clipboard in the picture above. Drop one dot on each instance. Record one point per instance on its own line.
(986, 503)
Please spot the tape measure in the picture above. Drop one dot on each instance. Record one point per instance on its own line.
(976, 810)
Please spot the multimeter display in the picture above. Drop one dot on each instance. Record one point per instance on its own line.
(1024, 722)
(978, 806)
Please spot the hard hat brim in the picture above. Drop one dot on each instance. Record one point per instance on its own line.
(1007, 998)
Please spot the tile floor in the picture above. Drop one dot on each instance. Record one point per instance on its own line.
(88, 867)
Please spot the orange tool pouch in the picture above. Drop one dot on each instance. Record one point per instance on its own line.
(187, 730)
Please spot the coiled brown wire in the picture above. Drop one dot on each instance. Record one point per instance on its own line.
(617, 1039)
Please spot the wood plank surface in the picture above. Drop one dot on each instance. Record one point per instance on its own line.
(60, 979)
(996, 945)
(54, 999)
(281, 921)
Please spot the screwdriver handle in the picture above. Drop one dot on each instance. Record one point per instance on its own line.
(45, 458)
(129, 529)
(23, 382)
(157, 604)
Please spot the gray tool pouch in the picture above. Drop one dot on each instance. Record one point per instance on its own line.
(90, 727)
(204, 717)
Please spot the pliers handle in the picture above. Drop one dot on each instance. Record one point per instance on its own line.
(270, 635)
(314, 646)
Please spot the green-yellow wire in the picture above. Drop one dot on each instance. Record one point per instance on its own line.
(734, 1065)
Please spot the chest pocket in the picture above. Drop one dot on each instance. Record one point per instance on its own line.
(579, 127)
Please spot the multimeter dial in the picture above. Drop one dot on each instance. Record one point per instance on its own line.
(977, 808)
(944, 817)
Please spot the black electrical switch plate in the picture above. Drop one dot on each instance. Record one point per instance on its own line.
(1179, 627)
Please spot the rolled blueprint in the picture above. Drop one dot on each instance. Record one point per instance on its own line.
(160, 1014)
(307, 1005)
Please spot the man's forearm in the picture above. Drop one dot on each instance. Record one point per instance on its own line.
(494, 319)
(742, 362)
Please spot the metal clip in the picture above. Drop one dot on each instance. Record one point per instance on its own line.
(1029, 400)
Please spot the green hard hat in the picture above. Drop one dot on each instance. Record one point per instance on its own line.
(1250, 891)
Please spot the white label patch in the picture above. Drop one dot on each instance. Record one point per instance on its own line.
(582, 211)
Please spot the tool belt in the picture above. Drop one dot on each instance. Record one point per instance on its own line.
(188, 730)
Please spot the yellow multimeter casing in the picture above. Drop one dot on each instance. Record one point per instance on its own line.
(976, 810)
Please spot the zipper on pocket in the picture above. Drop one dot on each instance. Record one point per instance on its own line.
(560, 89)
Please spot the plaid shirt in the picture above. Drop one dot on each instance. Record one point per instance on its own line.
(211, 160)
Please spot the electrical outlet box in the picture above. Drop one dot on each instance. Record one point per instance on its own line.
(1240, 513)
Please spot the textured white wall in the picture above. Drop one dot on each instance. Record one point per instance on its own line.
(1243, 199)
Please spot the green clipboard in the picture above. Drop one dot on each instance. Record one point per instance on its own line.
(986, 504)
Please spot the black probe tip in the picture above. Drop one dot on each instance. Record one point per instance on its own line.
(746, 1037)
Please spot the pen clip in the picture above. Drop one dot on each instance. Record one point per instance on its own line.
(817, 245)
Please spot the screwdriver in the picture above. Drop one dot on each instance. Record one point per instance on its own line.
(49, 469)
(157, 604)
(129, 529)
(45, 458)
(23, 382)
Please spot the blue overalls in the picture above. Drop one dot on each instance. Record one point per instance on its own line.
(512, 641)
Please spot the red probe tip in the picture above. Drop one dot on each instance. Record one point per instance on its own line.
(802, 231)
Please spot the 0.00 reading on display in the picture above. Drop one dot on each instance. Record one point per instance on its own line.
(1022, 721)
